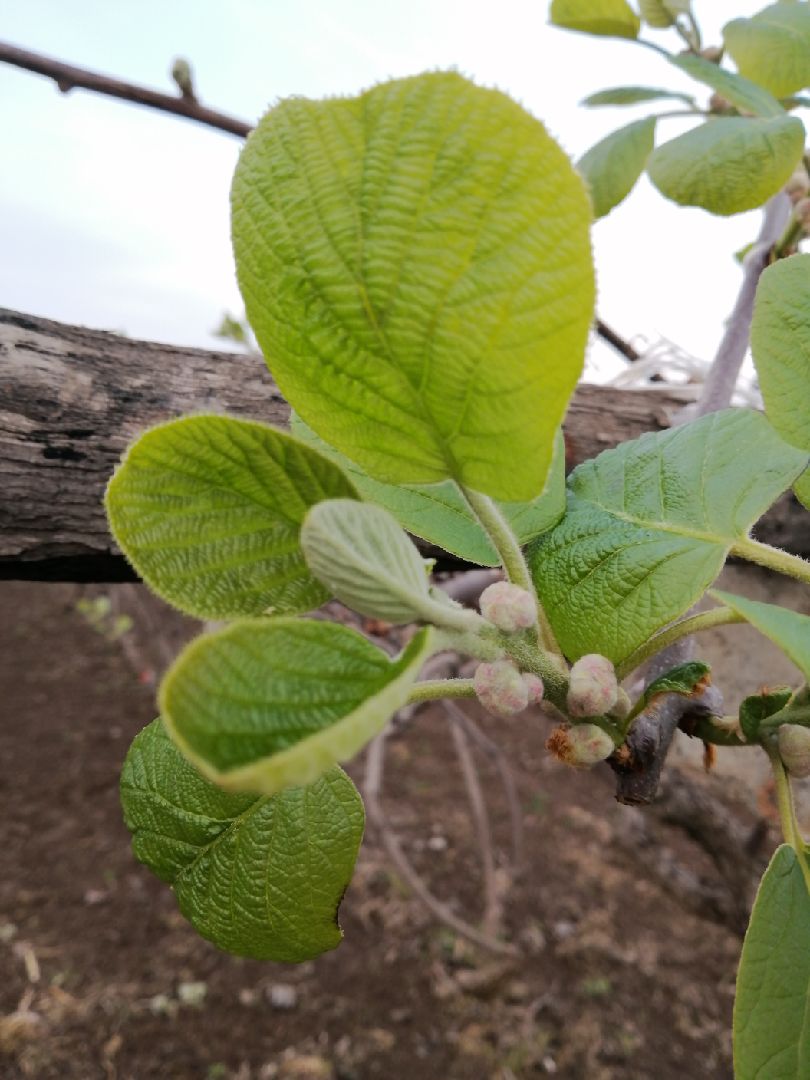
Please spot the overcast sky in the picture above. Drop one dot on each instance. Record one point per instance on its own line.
(117, 216)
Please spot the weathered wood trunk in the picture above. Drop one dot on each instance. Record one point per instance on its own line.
(71, 399)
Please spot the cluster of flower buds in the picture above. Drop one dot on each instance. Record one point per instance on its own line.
(508, 607)
(593, 689)
(794, 749)
(580, 745)
(505, 691)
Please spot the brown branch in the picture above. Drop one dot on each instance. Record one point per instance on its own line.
(616, 341)
(67, 78)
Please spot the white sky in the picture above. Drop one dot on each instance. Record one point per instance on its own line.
(117, 216)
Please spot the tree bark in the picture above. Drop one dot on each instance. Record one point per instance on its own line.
(71, 399)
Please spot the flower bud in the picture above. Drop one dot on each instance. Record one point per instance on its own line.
(794, 749)
(508, 607)
(712, 53)
(622, 706)
(592, 686)
(798, 186)
(534, 684)
(802, 212)
(582, 745)
(500, 688)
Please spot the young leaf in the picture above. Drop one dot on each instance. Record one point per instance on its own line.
(771, 1011)
(758, 707)
(780, 343)
(634, 95)
(787, 629)
(612, 167)
(259, 876)
(729, 164)
(649, 526)
(773, 47)
(208, 510)
(363, 556)
(611, 18)
(683, 679)
(267, 704)
(739, 91)
(440, 514)
(416, 266)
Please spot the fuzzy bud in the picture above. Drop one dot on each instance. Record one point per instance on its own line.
(534, 684)
(712, 53)
(622, 706)
(592, 686)
(500, 688)
(798, 186)
(802, 212)
(794, 749)
(582, 745)
(508, 607)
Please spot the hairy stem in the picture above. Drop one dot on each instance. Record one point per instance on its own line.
(787, 811)
(434, 689)
(705, 620)
(775, 559)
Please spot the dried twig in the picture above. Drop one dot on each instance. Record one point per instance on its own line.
(616, 341)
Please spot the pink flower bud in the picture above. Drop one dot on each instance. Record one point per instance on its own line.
(534, 684)
(508, 607)
(794, 749)
(582, 745)
(622, 705)
(592, 686)
(500, 688)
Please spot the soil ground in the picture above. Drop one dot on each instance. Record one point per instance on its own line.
(102, 978)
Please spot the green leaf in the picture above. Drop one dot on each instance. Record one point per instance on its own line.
(780, 343)
(208, 510)
(611, 18)
(739, 91)
(771, 1012)
(612, 167)
(758, 707)
(634, 95)
(773, 47)
(729, 164)
(683, 679)
(267, 704)
(440, 514)
(787, 629)
(416, 266)
(259, 876)
(656, 13)
(363, 556)
(649, 526)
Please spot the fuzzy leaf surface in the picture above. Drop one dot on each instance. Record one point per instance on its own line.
(208, 510)
(773, 47)
(267, 704)
(613, 165)
(787, 629)
(771, 1010)
(260, 876)
(741, 92)
(440, 514)
(634, 95)
(780, 343)
(416, 266)
(729, 164)
(610, 18)
(649, 526)
(365, 558)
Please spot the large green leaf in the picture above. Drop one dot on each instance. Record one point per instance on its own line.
(773, 47)
(611, 18)
(780, 343)
(649, 526)
(267, 704)
(416, 266)
(440, 514)
(741, 92)
(772, 1008)
(260, 876)
(208, 510)
(612, 166)
(364, 557)
(729, 164)
(634, 95)
(787, 629)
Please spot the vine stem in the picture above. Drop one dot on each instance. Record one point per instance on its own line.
(705, 620)
(434, 689)
(514, 563)
(775, 559)
(787, 811)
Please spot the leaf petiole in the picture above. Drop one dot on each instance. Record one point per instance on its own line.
(705, 620)
(775, 559)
